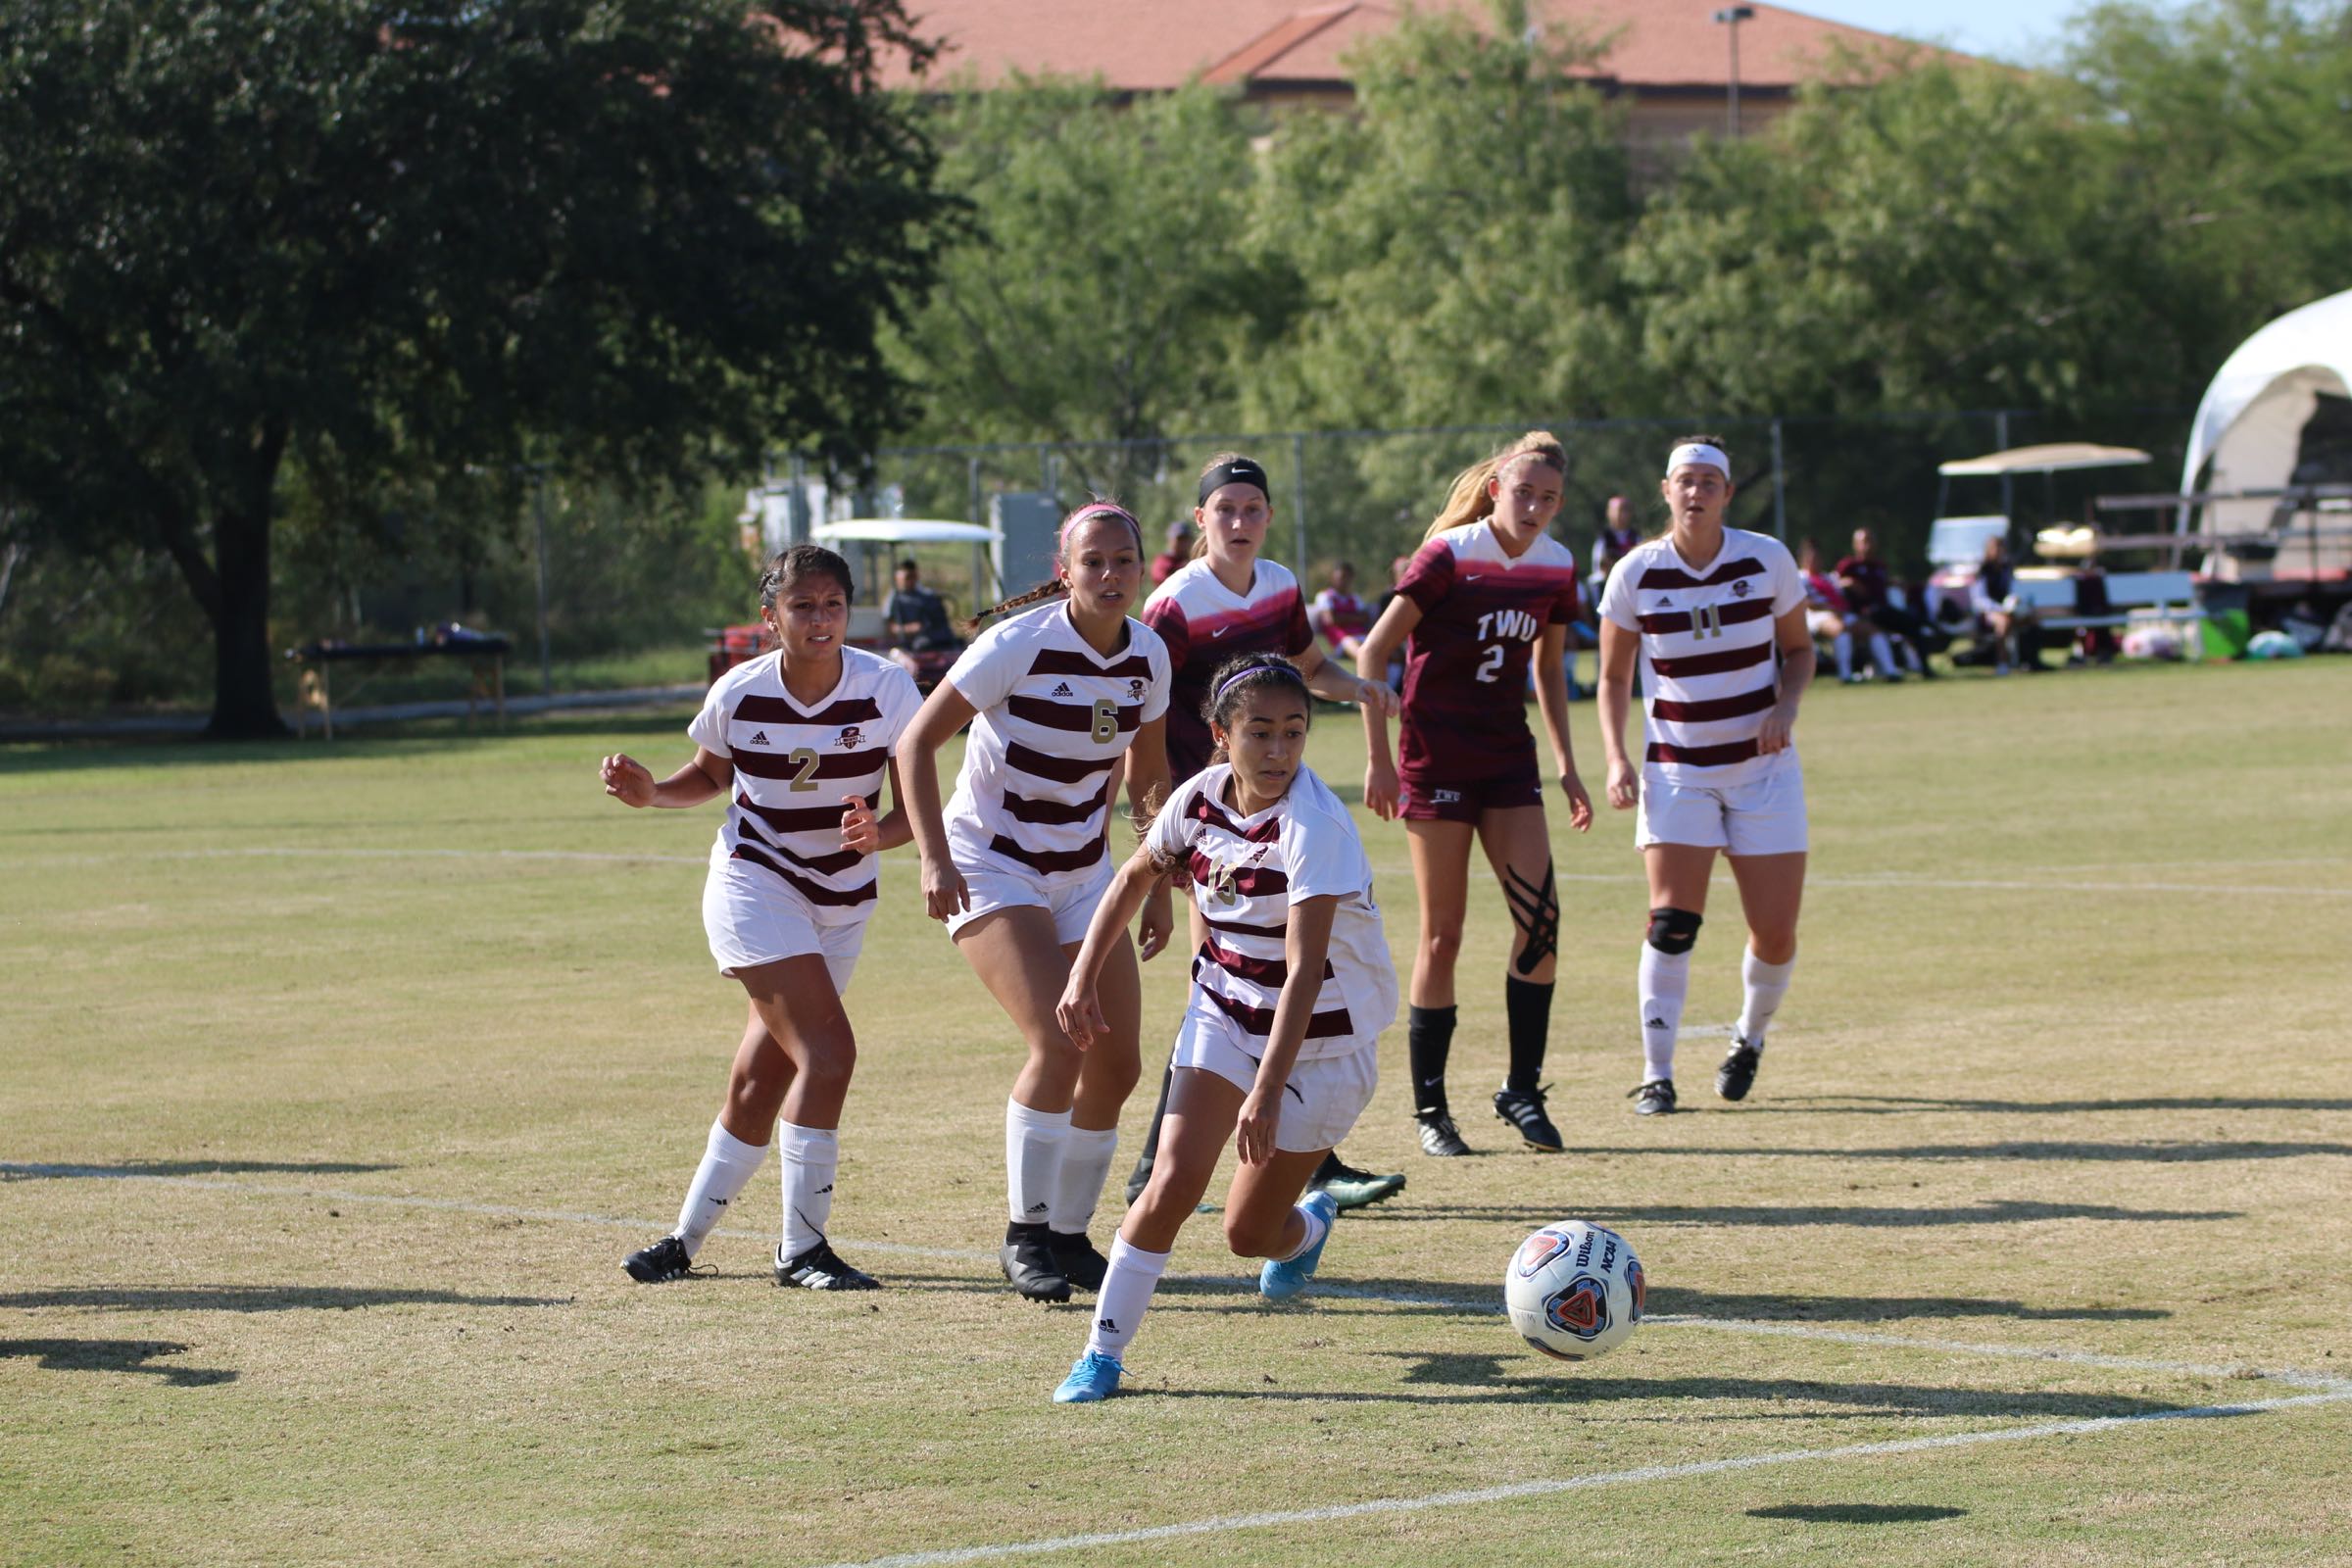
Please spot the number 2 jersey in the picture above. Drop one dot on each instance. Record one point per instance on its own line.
(1246, 871)
(798, 766)
(1053, 718)
(1709, 673)
(1465, 667)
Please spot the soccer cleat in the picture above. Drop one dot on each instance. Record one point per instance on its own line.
(1438, 1135)
(1279, 1282)
(1350, 1188)
(664, 1260)
(1653, 1099)
(818, 1269)
(1738, 1071)
(1027, 1259)
(1523, 1108)
(1076, 1259)
(1093, 1376)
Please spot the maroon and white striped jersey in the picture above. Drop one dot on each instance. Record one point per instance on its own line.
(798, 766)
(1053, 718)
(1465, 667)
(1246, 871)
(1709, 673)
(1204, 623)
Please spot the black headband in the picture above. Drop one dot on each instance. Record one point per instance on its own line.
(1240, 471)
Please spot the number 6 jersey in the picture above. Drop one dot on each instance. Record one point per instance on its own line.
(1708, 671)
(1466, 667)
(1055, 717)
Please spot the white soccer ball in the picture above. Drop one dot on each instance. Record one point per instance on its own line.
(1573, 1289)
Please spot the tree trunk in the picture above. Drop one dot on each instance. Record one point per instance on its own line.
(244, 707)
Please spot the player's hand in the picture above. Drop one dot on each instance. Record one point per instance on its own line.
(944, 893)
(627, 781)
(1158, 924)
(1080, 1013)
(1254, 1130)
(1377, 696)
(1624, 787)
(860, 830)
(1580, 804)
(1381, 790)
(1776, 732)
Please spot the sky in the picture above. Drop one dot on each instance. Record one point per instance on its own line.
(2018, 31)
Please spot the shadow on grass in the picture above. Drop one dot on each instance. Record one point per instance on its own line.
(130, 1169)
(257, 1299)
(116, 1356)
(1782, 1215)
(1908, 1104)
(1857, 1513)
(2173, 1151)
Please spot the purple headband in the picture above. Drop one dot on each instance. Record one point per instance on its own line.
(1240, 676)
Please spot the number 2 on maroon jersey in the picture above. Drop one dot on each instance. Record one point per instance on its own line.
(1492, 667)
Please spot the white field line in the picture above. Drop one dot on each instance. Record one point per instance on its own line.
(1887, 882)
(1332, 1289)
(1230, 1523)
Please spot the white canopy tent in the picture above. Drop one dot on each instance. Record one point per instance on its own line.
(2249, 426)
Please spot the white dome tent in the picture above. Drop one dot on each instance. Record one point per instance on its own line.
(2249, 427)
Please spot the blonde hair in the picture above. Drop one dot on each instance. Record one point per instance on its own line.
(1468, 499)
(1201, 535)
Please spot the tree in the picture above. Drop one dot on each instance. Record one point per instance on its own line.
(403, 241)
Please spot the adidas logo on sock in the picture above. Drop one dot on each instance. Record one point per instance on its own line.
(721, 1201)
(1063, 690)
(1036, 1208)
(1106, 1325)
(759, 738)
(822, 1191)
(1654, 1023)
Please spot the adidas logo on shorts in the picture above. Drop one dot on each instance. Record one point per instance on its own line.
(1063, 690)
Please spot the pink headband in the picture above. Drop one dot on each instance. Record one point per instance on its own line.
(1099, 509)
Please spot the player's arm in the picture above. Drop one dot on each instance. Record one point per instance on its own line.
(916, 765)
(1305, 944)
(1334, 684)
(1619, 649)
(1141, 877)
(1797, 658)
(629, 781)
(1551, 700)
(1380, 645)
(868, 834)
(1148, 788)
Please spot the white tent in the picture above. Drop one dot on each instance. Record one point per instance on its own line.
(2250, 423)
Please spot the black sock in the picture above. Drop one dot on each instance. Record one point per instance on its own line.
(1429, 1040)
(1018, 1231)
(1330, 1167)
(1529, 1008)
(1142, 1161)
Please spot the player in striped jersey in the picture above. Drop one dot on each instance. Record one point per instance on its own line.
(1289, 994)
(799, 741)
(1225, 602)
(1057, 698)
(1488, 589)
(1716, 615)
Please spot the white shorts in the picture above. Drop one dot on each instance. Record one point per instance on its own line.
(1818, 621)
(1763, 814)
(1070, 899)
(752, 916)
(1321, 1101)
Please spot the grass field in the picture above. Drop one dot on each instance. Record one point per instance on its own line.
(334, 1081)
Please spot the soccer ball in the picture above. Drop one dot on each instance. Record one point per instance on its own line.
(1574, 1290)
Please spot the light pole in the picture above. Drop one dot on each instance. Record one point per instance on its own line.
(1730, 17)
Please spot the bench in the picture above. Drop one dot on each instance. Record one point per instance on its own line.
(485, 654)
(2131, 596)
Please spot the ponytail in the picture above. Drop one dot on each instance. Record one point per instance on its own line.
(1044, 591)
(1061, 583)
(1468, 501)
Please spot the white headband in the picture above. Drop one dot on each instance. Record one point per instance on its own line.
(1700, 453)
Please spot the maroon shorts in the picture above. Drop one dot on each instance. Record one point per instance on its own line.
(1456, 800)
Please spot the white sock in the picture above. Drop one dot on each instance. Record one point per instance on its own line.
(1317, 1226)
(1843, 646)
(1881, 653)
(1764, 985)
(1127, 1286)
(1033, 1141)
(1665, 981)
(810, 1156)
(728, 1162)
(1086, 1156)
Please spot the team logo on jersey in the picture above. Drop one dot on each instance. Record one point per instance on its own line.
(852, 738)
(759, 738)
(1739, 589)
(1063, 690)
(1135, 690)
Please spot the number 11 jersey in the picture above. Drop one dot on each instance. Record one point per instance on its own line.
(1466, 667)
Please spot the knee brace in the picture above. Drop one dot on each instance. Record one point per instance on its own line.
(1673, 931)
(1536, 910)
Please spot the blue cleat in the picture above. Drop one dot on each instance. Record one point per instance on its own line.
(1279, 1282)
(1093, 1376)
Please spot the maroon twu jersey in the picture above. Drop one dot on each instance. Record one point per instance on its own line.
(1465, 668)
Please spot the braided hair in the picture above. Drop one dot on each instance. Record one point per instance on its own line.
(1060, 583)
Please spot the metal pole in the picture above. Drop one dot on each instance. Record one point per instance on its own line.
(547, 684)
(1780, 486)
(1735, 32)
(2001, 443)
(1299, 486)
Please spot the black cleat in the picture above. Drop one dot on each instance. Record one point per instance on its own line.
(1523, 1108)
(1350, 1188)
(818, 1269)
(1738, 1073)
(1027, 1259)
(1438, 1135)
(664, 1260)
(1653, 1099)
(1076, 1259)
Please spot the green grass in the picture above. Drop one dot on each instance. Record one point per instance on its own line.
(370, 1058)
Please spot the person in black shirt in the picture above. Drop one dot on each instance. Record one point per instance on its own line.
(917, 619)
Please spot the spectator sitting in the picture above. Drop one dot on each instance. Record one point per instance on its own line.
(1827, 614)
(1992, 596)
(1396, 570)
(1179, 551)
(1870, 598)
(1616, 540)
(1338, 614)
(916, 620)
